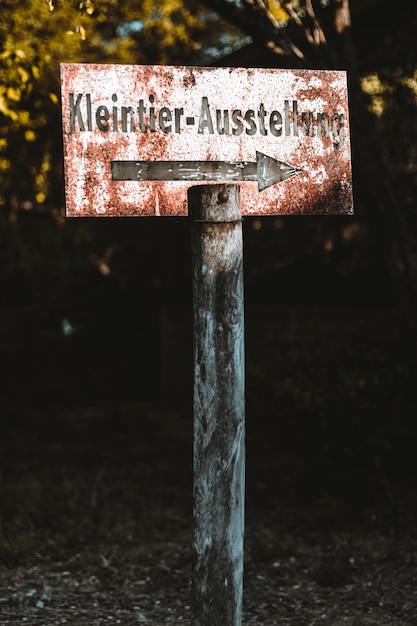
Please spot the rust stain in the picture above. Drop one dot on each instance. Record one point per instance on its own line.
(189, 80)
(176, 114)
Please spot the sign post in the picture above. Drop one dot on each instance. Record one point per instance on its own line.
(137, 137)
(145, 141)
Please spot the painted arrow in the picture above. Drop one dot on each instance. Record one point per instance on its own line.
(265, 170)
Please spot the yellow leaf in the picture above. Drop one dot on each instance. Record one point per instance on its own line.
(89, 7)
(24, 75)
(14, 94)
(30, 136)
(23, 117)
(4, 164)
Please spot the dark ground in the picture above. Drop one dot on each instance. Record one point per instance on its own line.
(95, 524)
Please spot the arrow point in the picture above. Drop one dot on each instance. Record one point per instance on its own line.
(271, 171)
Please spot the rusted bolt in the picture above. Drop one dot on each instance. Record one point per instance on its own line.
(223, 197)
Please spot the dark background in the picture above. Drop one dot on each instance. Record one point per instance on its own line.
(96, 344)
(97, 313)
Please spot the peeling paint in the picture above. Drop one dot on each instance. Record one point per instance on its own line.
(175, 114)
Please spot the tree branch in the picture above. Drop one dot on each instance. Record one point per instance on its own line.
(257, 21)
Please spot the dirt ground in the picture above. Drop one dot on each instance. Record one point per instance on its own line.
(96, 506)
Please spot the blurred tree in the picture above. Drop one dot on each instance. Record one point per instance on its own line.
(298, 33)
(293, 33)
(318, 34)
(65, 284)
(104, 31)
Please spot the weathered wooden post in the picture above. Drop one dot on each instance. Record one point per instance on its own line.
(219, 405)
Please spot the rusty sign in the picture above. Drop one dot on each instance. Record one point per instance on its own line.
(137, 137)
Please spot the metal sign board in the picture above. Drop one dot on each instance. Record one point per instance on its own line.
(137, 137)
